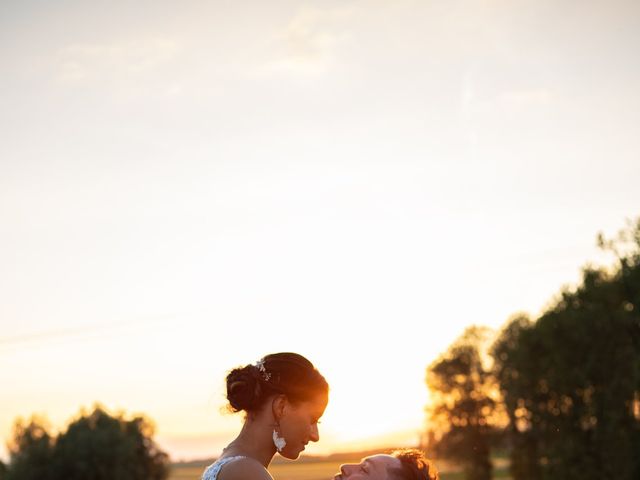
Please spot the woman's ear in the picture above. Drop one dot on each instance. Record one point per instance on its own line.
(278, 406)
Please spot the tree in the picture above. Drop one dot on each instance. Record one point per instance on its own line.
(96, 446)
(571, 380)
(514, 371)
(30, 452)
(463, 404)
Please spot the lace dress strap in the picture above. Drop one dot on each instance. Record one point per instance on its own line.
(211, 472)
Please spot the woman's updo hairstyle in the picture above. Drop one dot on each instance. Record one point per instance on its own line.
(287, 373)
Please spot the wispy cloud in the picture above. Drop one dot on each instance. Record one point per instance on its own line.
(308, 42)
(89, 62)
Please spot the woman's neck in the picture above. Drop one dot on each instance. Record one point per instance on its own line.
(254, 440)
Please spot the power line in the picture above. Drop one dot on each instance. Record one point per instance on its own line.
(49, 336)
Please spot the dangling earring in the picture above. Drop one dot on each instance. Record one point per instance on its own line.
(278, 441)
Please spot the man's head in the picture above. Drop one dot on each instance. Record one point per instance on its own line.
(406, 464)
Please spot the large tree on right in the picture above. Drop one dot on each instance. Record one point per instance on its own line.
(571, 380)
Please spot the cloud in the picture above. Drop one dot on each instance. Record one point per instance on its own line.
(308, 42)
(92, 62)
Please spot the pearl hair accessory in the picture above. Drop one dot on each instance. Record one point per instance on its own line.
(260, 365)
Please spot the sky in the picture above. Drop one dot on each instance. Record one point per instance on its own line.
(188, 186)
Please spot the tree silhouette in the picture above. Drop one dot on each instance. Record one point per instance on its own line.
(96, 446)
(463, 404)
(30, 452)
(571, 380)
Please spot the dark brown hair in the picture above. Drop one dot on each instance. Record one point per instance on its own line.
(414, 466)
(287, 373)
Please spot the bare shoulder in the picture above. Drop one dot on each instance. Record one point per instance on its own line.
(244, 469)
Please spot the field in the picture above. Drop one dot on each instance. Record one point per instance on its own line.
(324, 470)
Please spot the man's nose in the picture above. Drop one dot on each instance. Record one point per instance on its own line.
(315, 433)
(347, 469)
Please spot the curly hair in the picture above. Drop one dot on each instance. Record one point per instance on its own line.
(414, 466)
(286, 373)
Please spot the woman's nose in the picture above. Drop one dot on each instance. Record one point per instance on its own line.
(315, 434)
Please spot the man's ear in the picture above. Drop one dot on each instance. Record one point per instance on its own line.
(278, 406)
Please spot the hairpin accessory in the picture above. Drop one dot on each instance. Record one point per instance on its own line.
(265, 375)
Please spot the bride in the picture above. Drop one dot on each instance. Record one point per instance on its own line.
(283, 397)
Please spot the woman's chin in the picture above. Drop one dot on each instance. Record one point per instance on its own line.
(291, 455)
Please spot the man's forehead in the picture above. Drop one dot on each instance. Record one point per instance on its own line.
(382, 460)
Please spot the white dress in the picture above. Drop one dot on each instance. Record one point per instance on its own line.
(211, 472)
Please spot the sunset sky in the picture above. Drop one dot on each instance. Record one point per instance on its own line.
(187, 186)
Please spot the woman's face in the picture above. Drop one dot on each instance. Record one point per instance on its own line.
(299, 424)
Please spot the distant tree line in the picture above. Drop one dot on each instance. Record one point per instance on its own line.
(96, 446)
(560, 393)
